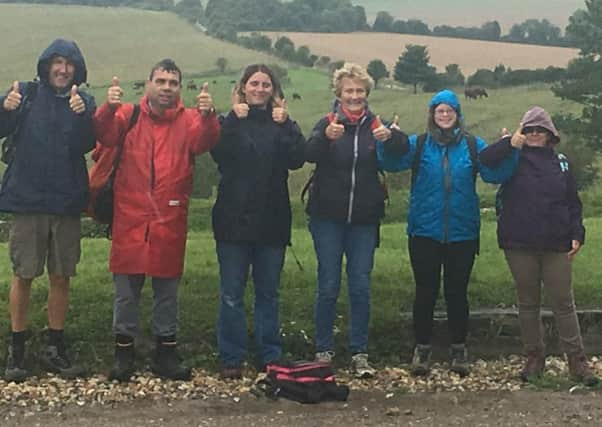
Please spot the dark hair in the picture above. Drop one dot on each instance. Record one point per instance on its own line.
(260, 68)
(168, 65)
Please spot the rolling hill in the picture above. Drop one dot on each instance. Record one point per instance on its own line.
(115, 41)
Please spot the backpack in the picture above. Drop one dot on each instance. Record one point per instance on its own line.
(8, 145)
(563, 162)
(304, 382)
(102, 179)
(471, 140)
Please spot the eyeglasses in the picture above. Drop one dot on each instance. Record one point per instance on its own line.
(445, 111)
(534, 129)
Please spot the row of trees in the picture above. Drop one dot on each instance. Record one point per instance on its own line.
(413, 68)
(531, 31)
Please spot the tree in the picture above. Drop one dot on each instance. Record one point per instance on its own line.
(413, 66)
(454, 75)
(383, 22)
(491, 30)
(377, 70)
(221, 63)
(584, 82)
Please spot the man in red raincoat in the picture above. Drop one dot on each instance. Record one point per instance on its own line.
(152, 189)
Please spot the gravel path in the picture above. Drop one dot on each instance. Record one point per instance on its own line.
(491, 395)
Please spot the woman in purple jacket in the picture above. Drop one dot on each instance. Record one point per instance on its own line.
(540, 230)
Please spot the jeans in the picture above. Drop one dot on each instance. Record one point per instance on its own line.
(234, 262)
(427, 257)
(357, 241)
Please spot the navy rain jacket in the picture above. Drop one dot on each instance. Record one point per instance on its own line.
(48, 172)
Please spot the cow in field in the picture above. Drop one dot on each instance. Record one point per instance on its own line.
(296, 96)
(191, 85)
(475, 92)
(139, 84)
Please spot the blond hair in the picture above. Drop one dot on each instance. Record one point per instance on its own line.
(353, 72)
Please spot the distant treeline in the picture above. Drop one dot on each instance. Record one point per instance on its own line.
(224, 18)
(531, 31)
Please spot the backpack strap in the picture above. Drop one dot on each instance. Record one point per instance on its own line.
(132, 122)
(563, 162)
(418, 156)
(307, 185)
(471, 140)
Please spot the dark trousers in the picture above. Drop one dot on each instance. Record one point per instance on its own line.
(427, 257)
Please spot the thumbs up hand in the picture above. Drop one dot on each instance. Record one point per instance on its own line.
(279, 111)
(114, 94)
(204, 101)
(380, 131)
(395, 123)
(76, 102)
(334, 130)
(239, 106)
(518, 139)
(13, 99)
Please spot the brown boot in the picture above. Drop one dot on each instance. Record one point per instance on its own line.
(536, 361)
(579, 369)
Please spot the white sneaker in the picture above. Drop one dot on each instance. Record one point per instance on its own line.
(360, 366)
(324, 356)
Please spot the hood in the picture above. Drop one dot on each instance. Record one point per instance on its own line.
(448, 97)
(537, 116)
(68, 49)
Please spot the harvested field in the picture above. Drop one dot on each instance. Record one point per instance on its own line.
(469, 54)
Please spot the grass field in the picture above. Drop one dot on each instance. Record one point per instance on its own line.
(470, 55)
(89, 323)
(475, 12)
(115, 41)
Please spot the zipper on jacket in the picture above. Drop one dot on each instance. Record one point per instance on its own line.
(447, 187)
(152, 184)
(355, 156)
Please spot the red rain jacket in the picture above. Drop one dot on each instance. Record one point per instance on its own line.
(153, 183)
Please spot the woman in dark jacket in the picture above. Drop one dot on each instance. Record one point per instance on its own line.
(346, 204)
(540, 229)
(252, 215)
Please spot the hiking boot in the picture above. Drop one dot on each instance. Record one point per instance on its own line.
(579, 369)
(324, 357)
(459, 360)
(123, 368)
(15, 365)
(54, 359)
(421, 361)
(360, 366)
(534, 366)
(167, 363)
(230, 372)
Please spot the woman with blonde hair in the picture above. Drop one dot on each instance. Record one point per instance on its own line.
(345, 207)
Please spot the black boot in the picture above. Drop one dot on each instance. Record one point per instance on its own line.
(15, 364)
(54, 357)
(167, 362)
(123, 368)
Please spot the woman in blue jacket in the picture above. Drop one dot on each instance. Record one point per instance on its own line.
(443, 220)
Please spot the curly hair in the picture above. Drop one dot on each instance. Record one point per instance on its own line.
(354, 72)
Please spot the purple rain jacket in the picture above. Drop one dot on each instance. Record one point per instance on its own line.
(540, 206)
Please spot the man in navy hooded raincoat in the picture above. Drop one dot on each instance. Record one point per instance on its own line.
(45, 187)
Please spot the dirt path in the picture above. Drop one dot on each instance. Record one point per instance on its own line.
(364, 408)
